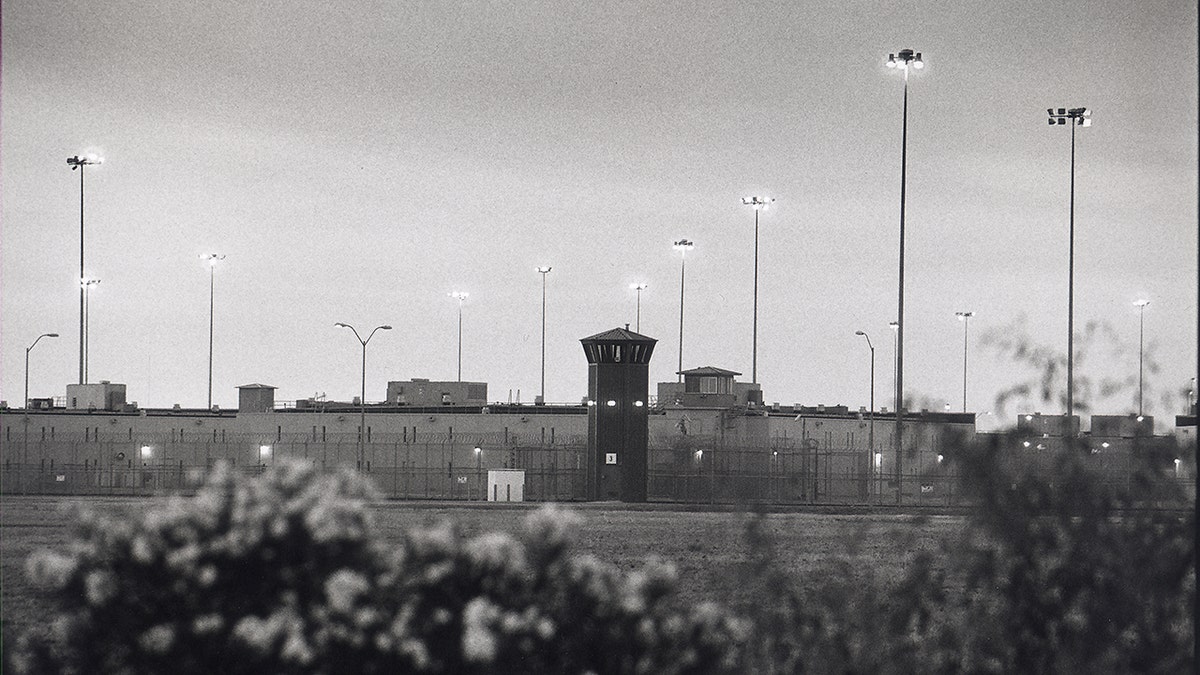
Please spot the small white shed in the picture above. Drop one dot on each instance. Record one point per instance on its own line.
(506, 485)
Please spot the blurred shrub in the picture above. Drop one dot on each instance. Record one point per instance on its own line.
(1055, 571)
(285, 574)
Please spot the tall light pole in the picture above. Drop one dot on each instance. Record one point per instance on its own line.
(79, 162)
(758, 204)
(1076, 117)
(27, 350)
(895, 326)
(903, 60)
(1141, 305)
(639, 287)
(461, 296)
(871, 433)
(87, 320)
(544, 270)
(362, 398)
(212, 259)
(965, 318)
(683, 246)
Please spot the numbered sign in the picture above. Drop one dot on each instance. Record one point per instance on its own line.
(610, 458)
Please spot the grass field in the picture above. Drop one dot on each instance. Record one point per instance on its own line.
(707, 547)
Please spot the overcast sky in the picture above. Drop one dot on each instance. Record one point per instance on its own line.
(357, 162)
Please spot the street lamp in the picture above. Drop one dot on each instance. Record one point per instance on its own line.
(544, 270)
(758, 204)
(479, 472)
(212, 259)
(461, 296)
(871, 433)
(1141, 305)
(683, 246)
(87, 320)
(79, 162)
(895, 326)
(27, 350)
(639, 287)
(362, 399)
(903, 61)
(1078, 117)
(965, 318)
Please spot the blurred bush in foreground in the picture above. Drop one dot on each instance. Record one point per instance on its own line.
(1055, 571)
(285, 574)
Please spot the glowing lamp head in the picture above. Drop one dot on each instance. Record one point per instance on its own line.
(478, 450)
(147, 452)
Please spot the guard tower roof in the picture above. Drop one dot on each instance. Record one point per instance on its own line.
(619, 335)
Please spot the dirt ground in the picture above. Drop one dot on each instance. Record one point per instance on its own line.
(708, 547)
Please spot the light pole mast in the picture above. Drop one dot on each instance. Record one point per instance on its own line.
(544, 270)
(903, 60)
(362, 398)
(27, 350)
(79, 162)
(683, 246)
(871, 432)
(1141, 305)
(965, 318)
(639, 287)
(212, 259)
(461, 296)
(758, 204)
(87, 321)
(1076, 117)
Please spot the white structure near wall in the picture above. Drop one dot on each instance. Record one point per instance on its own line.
(506, 485)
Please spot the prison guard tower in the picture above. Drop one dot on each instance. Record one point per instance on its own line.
(618, 383)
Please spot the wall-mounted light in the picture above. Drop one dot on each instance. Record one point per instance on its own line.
(478, 450)
(264, 451)
(1026, 444)
(878, 459)
(612, 403)
(940, 458)
(639, 403)
(147, 452)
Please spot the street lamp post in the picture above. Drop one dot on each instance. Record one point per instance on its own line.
(758, 204)
(965, 318)
(79, 162)
(895, 326)
(1141, 305)
(362, 398)
(1077, 117)
(683, 246)
(87, 320)
(544, 270)
(27, 350)
(639, 287)
(903, 60)
(212, 259)
(461, 296)
(871, 433)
